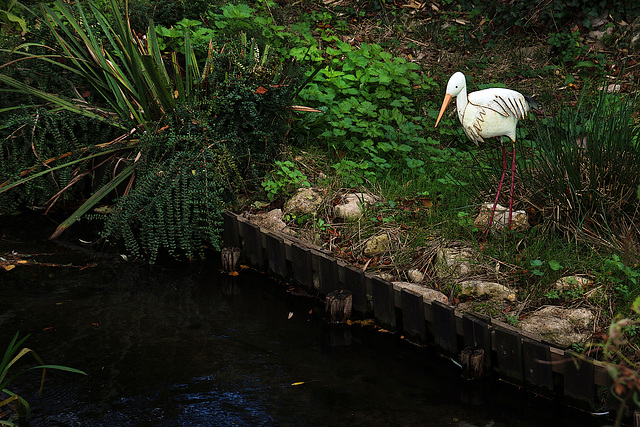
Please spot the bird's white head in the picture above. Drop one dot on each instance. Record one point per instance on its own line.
(457, 82)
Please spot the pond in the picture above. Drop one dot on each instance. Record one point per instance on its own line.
(187, 345)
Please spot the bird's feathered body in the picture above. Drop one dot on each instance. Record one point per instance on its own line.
(486, 114)
(491, 113)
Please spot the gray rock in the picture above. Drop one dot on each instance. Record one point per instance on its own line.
(305, 201)
(563, 326)
(454, 262)
(352, 206)
(634, 30)
(376, 245)
(415, 275)
(519, 219)
(271, 220)
(572, 282)
(478, 288)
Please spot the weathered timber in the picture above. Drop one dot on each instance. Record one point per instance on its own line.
(444, 327)
(301, 262)
(516, 356)
(338, 306)
(230, 258)
(276, 255)
(327, 272)
(578, 380)
(413, 323)
(477, 334)
(472, 361)
(230, 233)
(252, 243)
(354, 281)
(509, 354)
(538, 372)
(383, 306)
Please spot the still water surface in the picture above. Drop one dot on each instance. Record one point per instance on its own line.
(188, 346)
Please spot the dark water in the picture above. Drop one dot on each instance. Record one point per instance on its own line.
(187, 346)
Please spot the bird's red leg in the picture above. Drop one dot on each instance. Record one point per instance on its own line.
(513, 178)
(504, 172)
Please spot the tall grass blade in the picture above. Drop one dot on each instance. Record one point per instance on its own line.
(94, 199)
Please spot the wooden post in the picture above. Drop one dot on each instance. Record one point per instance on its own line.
(252, 238)
(538, 372)
(578, 380)
(354, 281)
(509, 354)
(383, 303)
(414, 326)
(230, 232)
(444, 327)
(472, 360)
(338, 306)
(230, 259)
(276, 255)
(327, 272)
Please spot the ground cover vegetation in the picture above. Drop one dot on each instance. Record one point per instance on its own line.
(157, 155)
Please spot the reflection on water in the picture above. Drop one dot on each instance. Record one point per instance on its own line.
(189, 346)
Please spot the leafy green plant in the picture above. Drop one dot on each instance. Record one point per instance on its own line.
(202, 126)
(538, 266)
(12, 14)
(622, 276)
(283, 179)
(366, 95)
(11, 356)
(552, 294)
(116, 74)
(234, 18)
(568, 46)
(173, 39)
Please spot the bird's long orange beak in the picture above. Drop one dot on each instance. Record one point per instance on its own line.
(445, 104)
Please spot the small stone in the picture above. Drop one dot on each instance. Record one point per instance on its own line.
(352, 206)
(305, 201)
(519, 219)
(478, 288)
(271, 220)
(376, 245)
(454, 261)
(415, 275)
(385, 276)
(612, 88)
(348, 211)
(572, 282)
(428, 295)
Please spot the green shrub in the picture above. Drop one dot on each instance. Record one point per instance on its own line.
(367, 96)
(283, 179)
(584, 170)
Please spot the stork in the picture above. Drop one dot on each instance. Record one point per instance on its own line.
(490, 113)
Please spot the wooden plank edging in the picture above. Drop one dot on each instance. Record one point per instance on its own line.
(515, 355)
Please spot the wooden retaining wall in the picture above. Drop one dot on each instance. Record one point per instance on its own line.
(513, 355)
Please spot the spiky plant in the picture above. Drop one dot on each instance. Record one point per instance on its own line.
(582, 173)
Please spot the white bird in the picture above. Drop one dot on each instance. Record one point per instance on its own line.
(489, 113)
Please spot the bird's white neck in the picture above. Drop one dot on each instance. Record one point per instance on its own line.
(461, 102)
